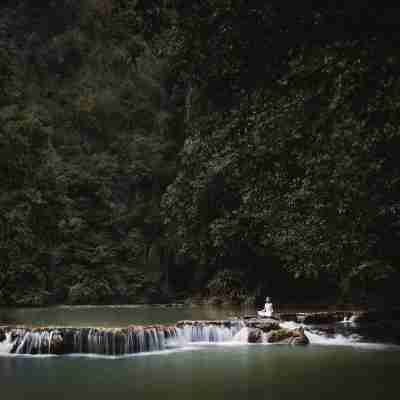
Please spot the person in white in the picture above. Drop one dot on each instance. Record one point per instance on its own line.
(268, 308)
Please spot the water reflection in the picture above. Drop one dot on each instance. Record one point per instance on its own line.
(114, 316)
(265, 372)
(7, 317)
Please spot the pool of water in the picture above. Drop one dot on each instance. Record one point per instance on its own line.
(198, 371)
(218, 372)
(113, 316)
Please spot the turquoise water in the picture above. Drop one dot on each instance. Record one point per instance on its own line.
(207, 372)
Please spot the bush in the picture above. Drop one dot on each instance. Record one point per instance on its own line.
(229, 286)
(90, 291)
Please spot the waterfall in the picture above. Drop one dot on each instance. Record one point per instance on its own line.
(209, 331)
(321, 338)
(115, 342)
(6, 343)
(135, 339)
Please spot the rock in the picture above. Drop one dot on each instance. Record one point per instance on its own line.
(279, 335)
(228, 323)
(255, 335)
(57, 343)
(2, 335)
(295, 336)
(299, 337)
(265, 325)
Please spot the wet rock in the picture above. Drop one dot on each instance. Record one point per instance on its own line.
(228, 323)
(316, 318)
(279, 335)
(2, 335)
(57, 343)
(287, 336)
(266, 325)
(255, 335)
(299, 337)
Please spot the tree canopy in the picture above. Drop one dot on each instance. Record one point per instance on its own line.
(158, 150)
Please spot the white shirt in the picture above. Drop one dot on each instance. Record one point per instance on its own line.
(269, 309)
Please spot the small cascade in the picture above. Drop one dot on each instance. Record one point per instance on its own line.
(142, 339)
(6, 343)
(209, 331)
(242, 336)
(319, 337)
(113, 342)
(350, 319)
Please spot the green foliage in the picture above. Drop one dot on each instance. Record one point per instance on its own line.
(298, 171)
(84, 152)
(213, 147)
(229, 286)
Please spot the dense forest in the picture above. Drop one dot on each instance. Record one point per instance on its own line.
(155, 151)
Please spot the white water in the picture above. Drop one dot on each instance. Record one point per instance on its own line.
(6, 345)
(115, 342)
(334, 340)
(209, 333)
(107, 343)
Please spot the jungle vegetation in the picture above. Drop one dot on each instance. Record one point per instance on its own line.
(155, 150)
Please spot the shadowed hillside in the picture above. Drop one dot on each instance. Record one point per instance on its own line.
(160, 150)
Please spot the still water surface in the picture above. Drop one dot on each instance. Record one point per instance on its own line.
(113, 316)
(206, 372)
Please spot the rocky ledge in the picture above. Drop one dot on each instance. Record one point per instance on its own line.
(371, 325)
(259, 330)
(140, 338)
(64, 340)
(331, 317)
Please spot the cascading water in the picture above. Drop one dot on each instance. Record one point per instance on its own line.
(88, 340)
(142, 339)
(319, 337)
(212, 332)
(6, 344)
(115, 342)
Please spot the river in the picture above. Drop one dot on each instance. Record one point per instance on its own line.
(323, 370)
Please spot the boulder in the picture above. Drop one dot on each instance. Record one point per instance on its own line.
(266, 325)
(255, 335)
(299, 337)
(279, 335)
(287, 336)
(2, 335)
(57, 343)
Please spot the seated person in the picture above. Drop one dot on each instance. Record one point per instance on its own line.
(268, 308)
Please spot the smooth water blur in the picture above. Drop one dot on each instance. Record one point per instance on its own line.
(217, 372)
(112, 316)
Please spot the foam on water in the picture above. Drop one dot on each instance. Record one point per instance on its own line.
(242, 336)
(209, 333)
(127, 356)
(6, 345)
(114, 344)
(336, 340)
